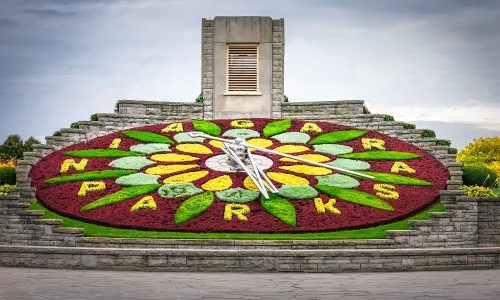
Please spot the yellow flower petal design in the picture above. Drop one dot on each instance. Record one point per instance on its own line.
(249, 185)
(173, 157)
(145, 203)
(286, 179)
(242, 124)
(186, 177)
(259, 142)
(218, 184)
(291, 148)
(312, 157)
(169, 169)
(174, 127)
(216, 144)
(307, 170)
(194, 148)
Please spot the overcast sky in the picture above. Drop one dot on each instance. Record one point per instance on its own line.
(432, 62)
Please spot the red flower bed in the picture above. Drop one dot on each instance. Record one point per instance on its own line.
(63, 199)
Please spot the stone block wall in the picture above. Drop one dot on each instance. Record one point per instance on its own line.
(278, 53)
(489, 221)
(207, 68)
(322, 110)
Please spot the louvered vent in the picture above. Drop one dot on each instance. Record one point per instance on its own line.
(242, 68)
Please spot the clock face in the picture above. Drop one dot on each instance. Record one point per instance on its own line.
(160, 178)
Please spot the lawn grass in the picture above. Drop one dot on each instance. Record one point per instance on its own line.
(377, 232)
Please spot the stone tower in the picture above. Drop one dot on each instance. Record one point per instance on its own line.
(242, 67)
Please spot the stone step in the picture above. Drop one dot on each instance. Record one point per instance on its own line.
(232, 244)
(69, 231)
(48, 221)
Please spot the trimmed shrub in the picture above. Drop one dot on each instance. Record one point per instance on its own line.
(285, 99)
(74, 125)
(388, 118)
(409, 126)
(57, 133)
(199, 99)
(7, 175)
(443, 142)
(452, 151)
(94, 117)
(478, 174)
(427, 133)
(366, 111)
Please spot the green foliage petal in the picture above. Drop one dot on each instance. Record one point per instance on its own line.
(237, 195)
(150, 148)
(350, 164)
(280, 208)
(178, 190)
(147, 137)
(338, 137)
(131, 163)
(207, 127)
(338, 180)
(183, 137)
(96, 153)
(332, 149)
(396, 179)
(296, 192)
(105, 174)
(137, 179)
(355, 196)
(193, 207)
(276, 127)
(381, 155)
(124, 194)
(241, 133)
(292, 137)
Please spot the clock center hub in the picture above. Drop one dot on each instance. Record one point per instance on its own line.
(222, 163)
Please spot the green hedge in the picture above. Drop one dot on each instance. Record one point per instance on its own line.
(7, 175)
(478, 174)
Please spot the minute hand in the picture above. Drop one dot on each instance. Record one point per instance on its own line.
(310, 161)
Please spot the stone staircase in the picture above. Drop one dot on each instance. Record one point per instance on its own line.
(28, 239)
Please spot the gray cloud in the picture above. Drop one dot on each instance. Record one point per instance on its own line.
(48, 13)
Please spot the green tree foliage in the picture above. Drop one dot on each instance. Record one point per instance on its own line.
(14, 147)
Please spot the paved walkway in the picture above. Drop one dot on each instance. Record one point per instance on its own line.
(19, 283)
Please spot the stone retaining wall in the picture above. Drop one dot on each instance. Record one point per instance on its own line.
(489, 221)
(197, 260)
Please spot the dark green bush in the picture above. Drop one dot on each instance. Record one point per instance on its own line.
(74, 125)
(388, 118)
(285, 98)
(427, 133)
(117, 108)
(409, 126)
(443, 142)
(478, 174)
(57, 133)
(199, 98)
(7, 175)
(94, 117)
(366, 111)
(452, 151)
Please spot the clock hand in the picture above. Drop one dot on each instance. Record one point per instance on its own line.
(258, 170)
(342, 170)
(255, 178)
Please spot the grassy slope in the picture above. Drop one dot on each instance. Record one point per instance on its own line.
(377, 232)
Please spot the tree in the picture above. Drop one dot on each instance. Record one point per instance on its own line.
(14, 147)
(28, 144)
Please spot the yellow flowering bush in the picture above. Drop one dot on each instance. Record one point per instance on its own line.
(5, 189)
(11, 163)
(480, 191)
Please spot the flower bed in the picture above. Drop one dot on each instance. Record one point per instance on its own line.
(156, 178)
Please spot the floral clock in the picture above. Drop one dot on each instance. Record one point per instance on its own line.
(161, 177)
